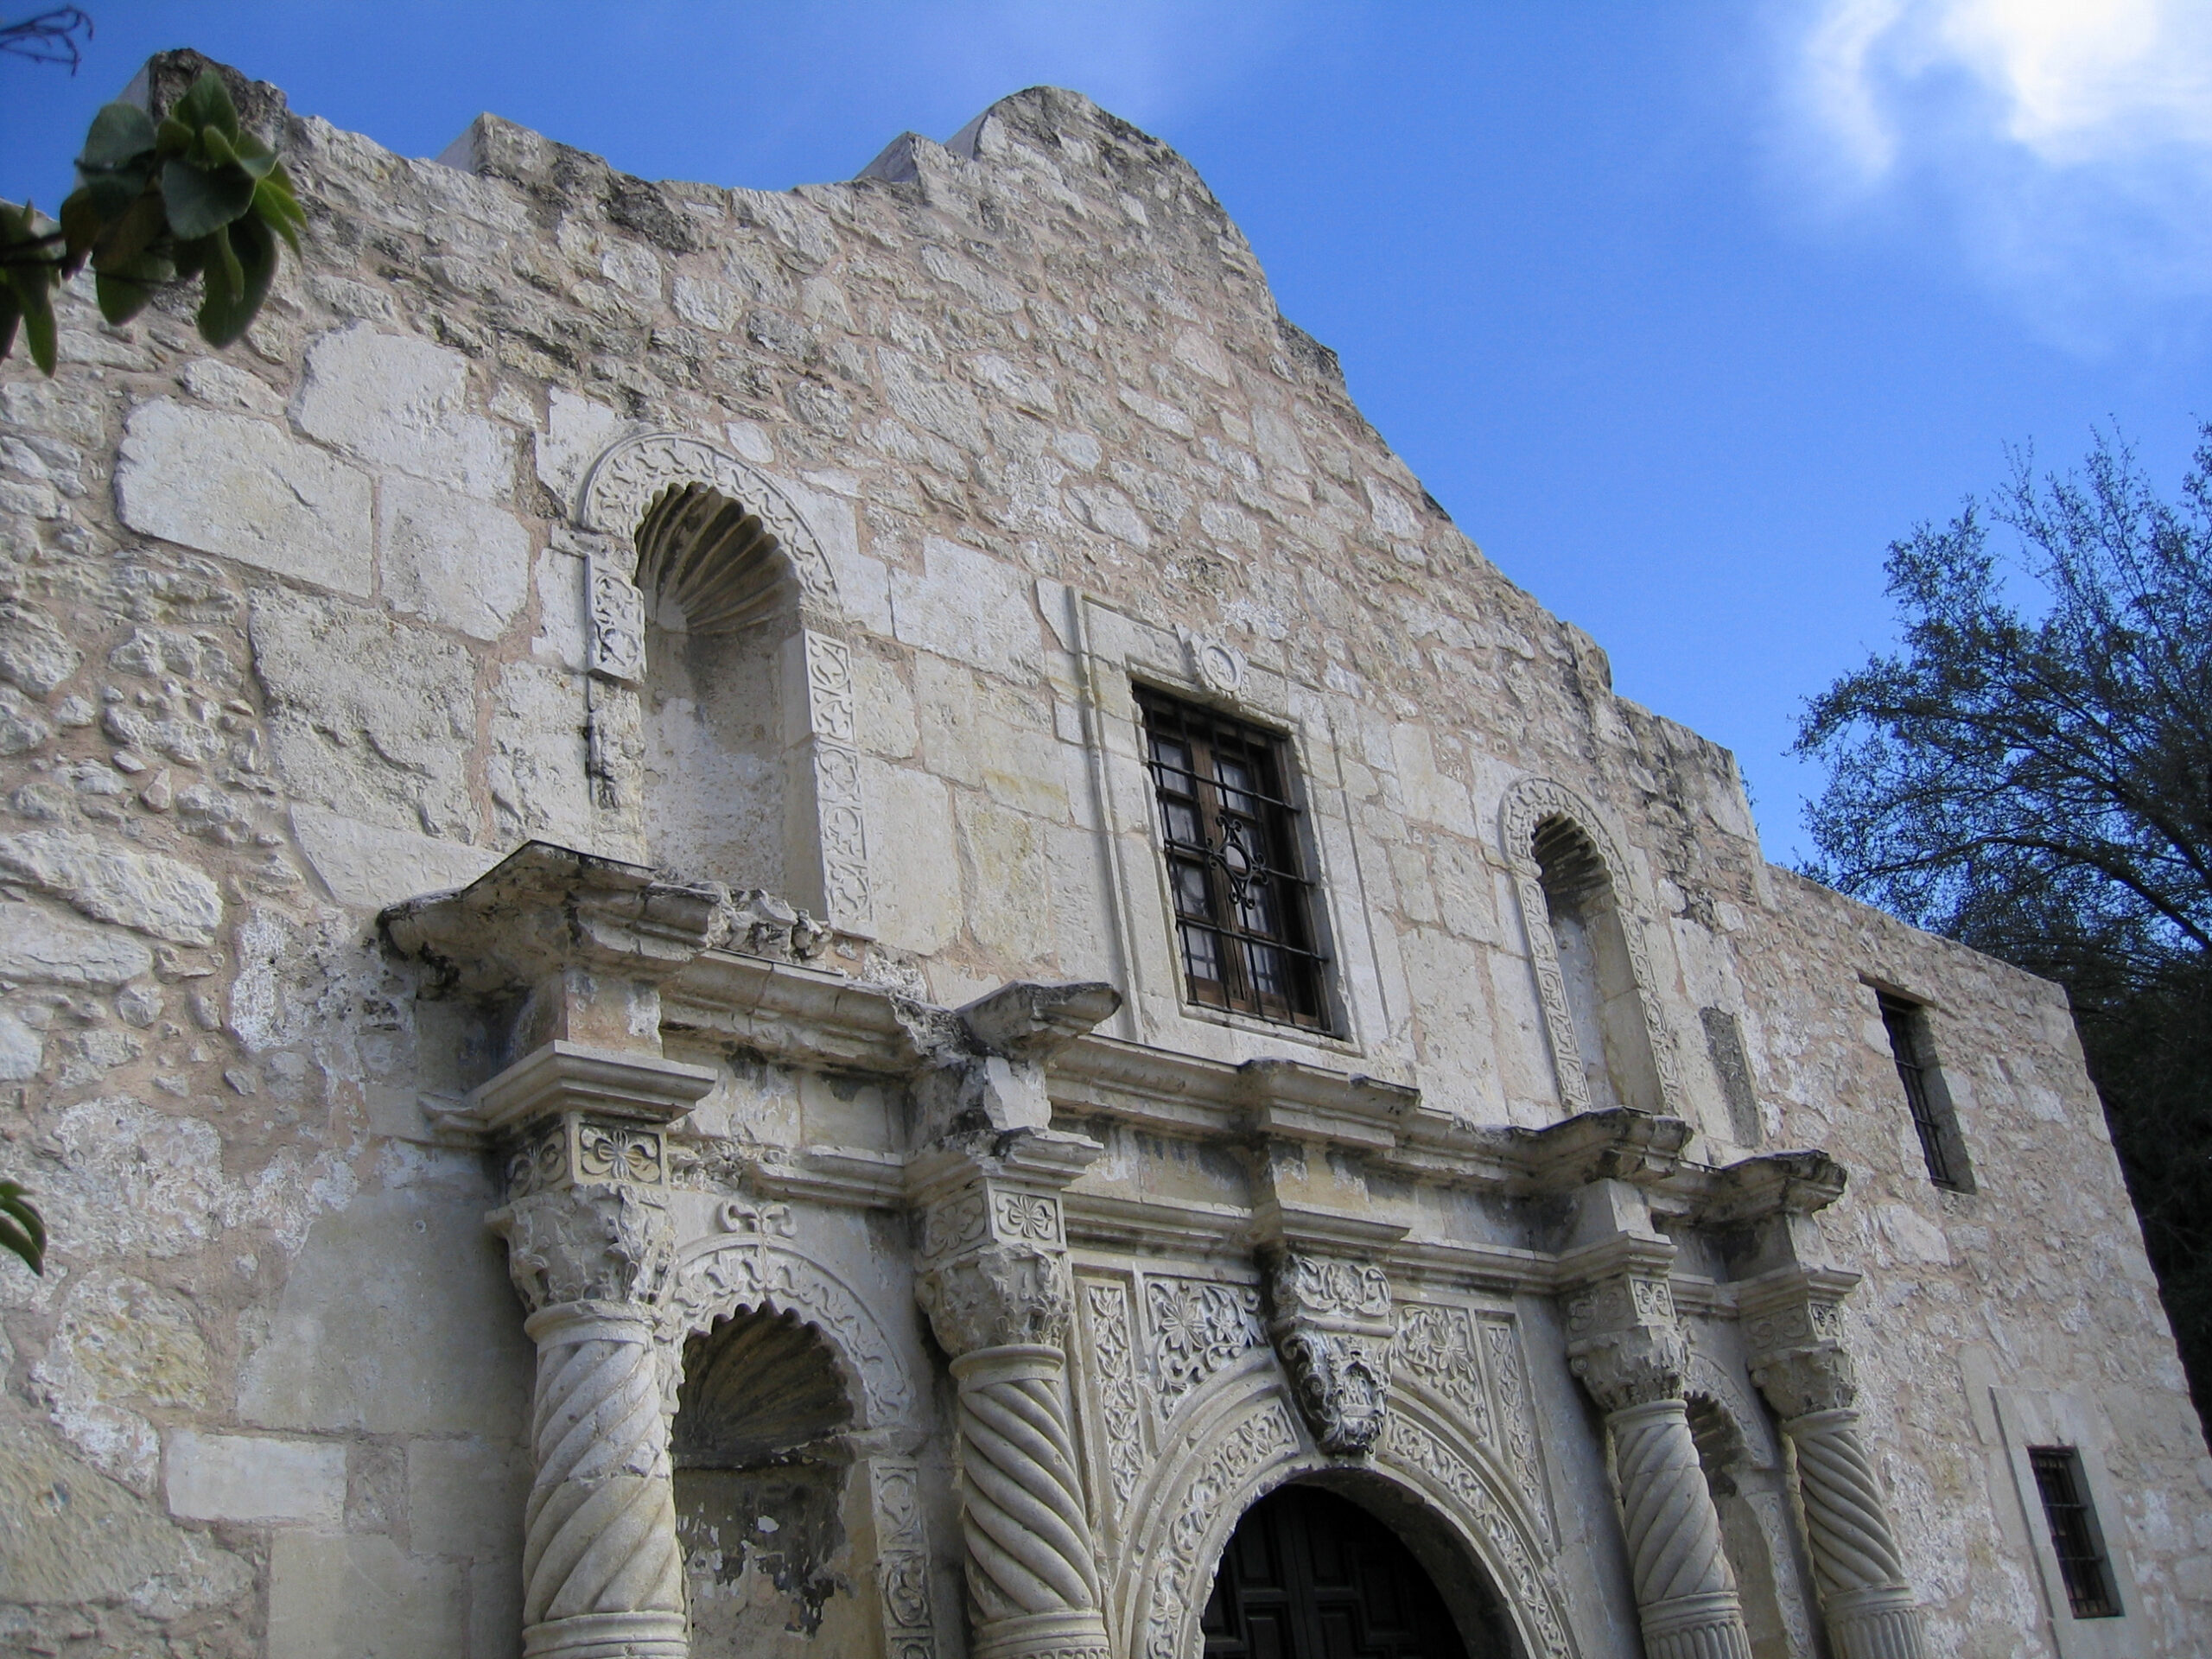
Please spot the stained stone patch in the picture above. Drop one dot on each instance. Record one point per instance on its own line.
(458, 562)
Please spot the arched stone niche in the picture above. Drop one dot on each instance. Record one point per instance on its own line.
(842, 1383)
(1609, 1045)
(713, 603)
(1421, 1476)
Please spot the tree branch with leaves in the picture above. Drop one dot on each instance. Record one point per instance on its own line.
(191, 196)
(2031, 773)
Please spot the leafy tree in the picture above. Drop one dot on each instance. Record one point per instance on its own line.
(2031, 774)
(191, 196)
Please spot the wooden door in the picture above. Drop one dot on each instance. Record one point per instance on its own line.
(1310, 1575)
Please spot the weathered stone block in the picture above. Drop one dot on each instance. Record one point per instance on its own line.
(460, 563)
(403, 403)
(37, 943)
(369, 718)
(147, 891)
(397, 1318)
(969, 606)
(242, 489)
(465, 1497)
(369, 866)
(360, 1597)
(254, 1478)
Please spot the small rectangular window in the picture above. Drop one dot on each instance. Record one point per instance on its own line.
(1925, 1096)
(1243, 905)
(2075, 1537)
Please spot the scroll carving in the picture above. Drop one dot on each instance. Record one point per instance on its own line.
(1331, 1323)
(1106, 1328)
(902, 1559)
(1259, 1439)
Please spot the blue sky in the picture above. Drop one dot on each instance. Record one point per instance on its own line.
(1684, 311)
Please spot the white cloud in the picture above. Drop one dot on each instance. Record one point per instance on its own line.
(2067, 142)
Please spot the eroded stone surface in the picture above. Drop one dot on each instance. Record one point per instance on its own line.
(242, 490)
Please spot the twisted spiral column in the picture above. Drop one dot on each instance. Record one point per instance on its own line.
(1865, 1597)
(1030, 1565)
(997, 1296)
(602, 1573)
(1685, 1592)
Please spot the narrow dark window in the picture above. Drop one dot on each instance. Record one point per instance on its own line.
(1243, 906)
(1915, 1070)
(2075, 1538)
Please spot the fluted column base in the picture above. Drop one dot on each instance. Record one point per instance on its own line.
(1042, 1636)
(1709, 1626)
(1883, 1623)
(609, 1636)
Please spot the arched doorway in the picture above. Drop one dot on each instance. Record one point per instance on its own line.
(1311, 1574)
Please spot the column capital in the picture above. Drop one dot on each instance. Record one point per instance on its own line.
(993, 1246)
(1622, 1338)
(605, 1242)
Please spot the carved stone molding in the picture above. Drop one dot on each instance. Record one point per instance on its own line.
(1332, 1323)
(996, 1296)
(1469, 1365)
(1108, 1327)
(901, 1552)
(1528, 804)
(1197, 1326)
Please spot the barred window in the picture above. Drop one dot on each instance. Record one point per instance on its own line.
(1925, 1096)
(1243, 904)
(2075, 1538)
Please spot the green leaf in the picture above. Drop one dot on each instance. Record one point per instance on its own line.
(216, 147)
(200, 201)
(38, 323)
(172, 137)
(251, 253)
(9, 313)
(125, 289)
(120, 134)
(21, 1228)
(278, 208)
(142, 227)
(207, 104)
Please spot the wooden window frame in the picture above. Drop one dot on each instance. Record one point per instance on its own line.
(1233, 847)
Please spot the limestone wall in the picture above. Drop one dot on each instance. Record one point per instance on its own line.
(298, 632)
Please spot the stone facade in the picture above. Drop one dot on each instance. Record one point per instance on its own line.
(589, 991)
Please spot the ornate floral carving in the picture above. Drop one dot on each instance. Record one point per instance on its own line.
(573, 1149)
(1637, 1366)
(635, 472)
(1105, 1312)
(1332, 1322)
(616, 615)
(1217, 666)
(1527, 804)
(1410, 1447)
(745, 1270)
(1197, 1326)
(1436, 1348)
(608, 1243)
(1261, 1437)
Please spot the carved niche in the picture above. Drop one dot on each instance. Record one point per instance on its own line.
(1527, 806)
(739, 535)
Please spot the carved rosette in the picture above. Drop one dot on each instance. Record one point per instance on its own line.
(1808, 1378)
(996, 1288)
(1625, 1347)
(1332, 1323)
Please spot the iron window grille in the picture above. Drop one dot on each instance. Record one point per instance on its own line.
(1902, 1020)
(1229, 831)
(2075, 1538)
